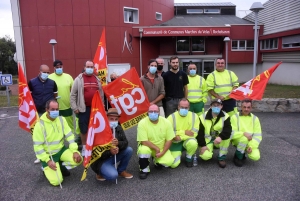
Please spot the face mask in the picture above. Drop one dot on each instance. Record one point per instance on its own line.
(89, 71)
(58, 71)
(113, 124)
(192, 72)
(160, 67)
(53, 114)
(44, 76)
(183, 112)
(112, 80)
(153, 116)
(215, 110)
(152, 69)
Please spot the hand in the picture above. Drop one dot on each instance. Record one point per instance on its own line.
(189, 133)
(76, 157)
(222, 98)
(177, 138)
(218, 140)
(114, 150)
(158, 155)
(151, 103)
(115, 142)
(52, 165)
(249, 150)
(203, 149)
(157, 150)
(248, 136)
(76, 111)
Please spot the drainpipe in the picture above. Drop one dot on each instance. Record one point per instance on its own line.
(141, 35)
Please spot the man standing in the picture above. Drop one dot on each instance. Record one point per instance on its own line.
(42, 89)
(220, 83)
(175, 81)
(154, 86)
(154, 136)
(215, 130)
(197, 91)
(160, 66)
(48, 140)
(104, 167)
(85, 86)
(186, 126)
(246, 134)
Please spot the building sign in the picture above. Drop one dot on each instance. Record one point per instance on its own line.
(186, 31)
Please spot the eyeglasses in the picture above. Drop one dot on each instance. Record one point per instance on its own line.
(153, 111)
(89, 66)
(45, 72)
(184, 108)
(220, 62)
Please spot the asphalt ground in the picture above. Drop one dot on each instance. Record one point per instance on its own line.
(275, 177)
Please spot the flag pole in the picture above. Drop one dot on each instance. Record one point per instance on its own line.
(114, 134)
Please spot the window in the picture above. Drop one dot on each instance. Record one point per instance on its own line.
(183, 44)
(158, 16)
(269, 44)
(187, 44)
(242, 44)
(194, 11)
(211, 10)
(131, 15)
(291, 41)
(197, 44)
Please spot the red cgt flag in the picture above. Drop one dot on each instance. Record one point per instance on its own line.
(28, 115)
(254, 88)
(100, 59)
(99, 135)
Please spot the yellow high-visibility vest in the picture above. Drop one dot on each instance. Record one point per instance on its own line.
(197, 90)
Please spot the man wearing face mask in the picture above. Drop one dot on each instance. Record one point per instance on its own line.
(186, 126)
(154, 86)
(154, 136)
(197, 91)
(85, 86)
(160, 66)
(215, 130)
(104, 167)
(48, 139)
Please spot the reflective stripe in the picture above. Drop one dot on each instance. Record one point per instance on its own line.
(176, 159)
(223, 148)
(256, 134)
(54, 142)
(238, 121)
(195, 90)
(258, 140)
(201, 82)
(71, 141)
(241, 150)
(62, 123)
(242, 144)
(146, 169)
(223, 85)
(196, 97)
(193, 122)
(38, 143)
(40, 152)
(174, 122)
(223, 93)
(231, 83)
(188, 156)
(144, 155)
(184, 144)
(69, 134)
(54, 151)
(195, 130)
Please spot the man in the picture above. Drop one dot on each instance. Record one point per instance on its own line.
(154, 136)
(186, 126)
(160, 66)
(246, 134)
(220, 83)
(215, 130)
(197, 91)
(154, 86)
(104, 167)
(175, 81)
(48, 140)
(113, 76)
(85, 86)
(42, 90)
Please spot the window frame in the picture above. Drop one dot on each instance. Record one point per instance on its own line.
(219, 11)
(135, 15)
(268, 42)
(246, 47)
(187, 11)
(158, 14)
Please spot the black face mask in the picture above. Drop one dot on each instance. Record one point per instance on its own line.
(160, 67)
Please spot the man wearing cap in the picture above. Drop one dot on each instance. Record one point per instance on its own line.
(220, 83)
(104, 167)
(246, 134)
(215, 130)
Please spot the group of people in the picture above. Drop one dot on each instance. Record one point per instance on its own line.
(176, 121)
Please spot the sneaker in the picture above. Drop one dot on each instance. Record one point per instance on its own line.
(143, 175)
(222, 164)
(126, 175)
(37, 161)
(238, 162)
(65, 172)
(100, 178)
(189, 164)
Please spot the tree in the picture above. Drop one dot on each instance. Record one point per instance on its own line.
(7, 51)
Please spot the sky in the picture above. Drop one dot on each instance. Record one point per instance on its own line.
(6, 23)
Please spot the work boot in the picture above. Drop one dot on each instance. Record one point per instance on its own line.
(37, 161)
(238, 162)
(189, 164)
(143, 175)
(158, 166)
(65, 172)
(222, 164)
(78, 141)
(126, 175)
(100, 178)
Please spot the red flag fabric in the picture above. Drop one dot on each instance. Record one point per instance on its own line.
(128, 96)
(28, 115)
(254, 88)
(99, 134)
(100, 59)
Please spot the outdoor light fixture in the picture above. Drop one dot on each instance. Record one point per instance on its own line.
(53, 42)
(226, 40)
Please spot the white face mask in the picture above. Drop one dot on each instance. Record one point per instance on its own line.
(113, 124)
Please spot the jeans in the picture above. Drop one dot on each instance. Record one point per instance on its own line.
(171, 106)
(108, 170)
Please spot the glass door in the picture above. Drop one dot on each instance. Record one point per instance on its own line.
(185, 63)
(208, 66)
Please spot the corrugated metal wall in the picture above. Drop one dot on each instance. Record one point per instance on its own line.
(287, 57)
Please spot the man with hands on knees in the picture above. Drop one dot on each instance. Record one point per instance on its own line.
(215, 130)
(104, 167)
(154, 136)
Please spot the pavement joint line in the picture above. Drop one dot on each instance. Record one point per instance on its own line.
(8, 117)
(8, 107)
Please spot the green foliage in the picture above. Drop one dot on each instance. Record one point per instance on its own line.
(7, 51)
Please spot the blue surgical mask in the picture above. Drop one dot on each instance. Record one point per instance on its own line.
(193, 72)
(59, 71)
(215, 110)
(89, 71)
(54, 114)
(44, 76)
(152, 69)
(153, 116)
(113, 124)
(183, 112)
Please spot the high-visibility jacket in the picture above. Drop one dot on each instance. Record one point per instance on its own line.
(222, 82)
(55, 131)
(197, 90)
(181, 124)
(249, 124)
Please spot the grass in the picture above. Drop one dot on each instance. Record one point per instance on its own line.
(14, 101)
(282, 91)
